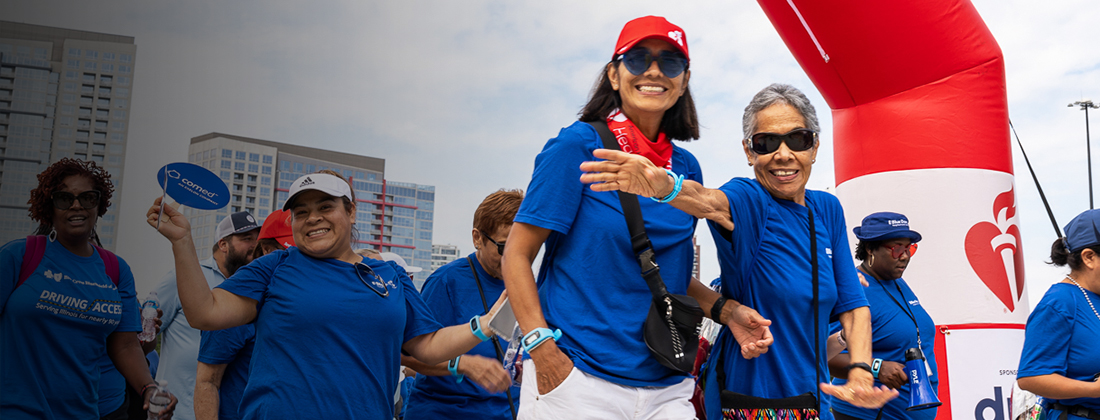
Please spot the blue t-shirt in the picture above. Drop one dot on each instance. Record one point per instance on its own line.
(326, 344)
(1061, 338)
(112, 386)
(892, 333)
(53, 331)
(231, 347)
(590, 285)
(453, 295)
(766, 265)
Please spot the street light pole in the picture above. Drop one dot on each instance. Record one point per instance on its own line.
(1085, 105)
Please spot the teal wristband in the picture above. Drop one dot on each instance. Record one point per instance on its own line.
(537, 336)
(875, 366)
(452, 366)
(675, 188)
(475, 328)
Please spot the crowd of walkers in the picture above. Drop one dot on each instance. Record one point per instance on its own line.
(288, 320)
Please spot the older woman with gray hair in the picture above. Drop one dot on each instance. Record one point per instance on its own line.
(787, 258)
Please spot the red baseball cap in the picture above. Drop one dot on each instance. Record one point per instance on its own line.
(277, 227)
(651, 27)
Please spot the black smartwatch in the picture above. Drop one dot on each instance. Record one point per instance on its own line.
(716, 309)
(861, 365)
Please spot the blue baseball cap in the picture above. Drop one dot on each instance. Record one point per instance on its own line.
(1083, 232)
(885, 225)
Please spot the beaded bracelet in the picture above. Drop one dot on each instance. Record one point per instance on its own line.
(675, 188)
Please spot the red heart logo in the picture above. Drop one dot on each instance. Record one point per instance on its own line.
(988, 247)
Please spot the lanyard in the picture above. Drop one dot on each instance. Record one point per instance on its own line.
(908, 312)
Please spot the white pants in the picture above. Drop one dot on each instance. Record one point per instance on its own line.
(583, 396)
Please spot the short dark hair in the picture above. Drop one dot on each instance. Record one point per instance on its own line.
(678, 123)
(864, 248)
(41, 201)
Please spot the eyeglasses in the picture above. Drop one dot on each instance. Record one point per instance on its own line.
(375, 282)
(63, 200)
(797, 140)
(671, 63)
(897, 250)
(500, 245)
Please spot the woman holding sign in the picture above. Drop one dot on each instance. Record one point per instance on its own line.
(68, 310)
(328, 347)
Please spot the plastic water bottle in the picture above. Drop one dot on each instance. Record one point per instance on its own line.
(148, 318)
(159, 400)
(513, 357)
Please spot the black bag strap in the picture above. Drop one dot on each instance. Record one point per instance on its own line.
(496, 342)
(639, 241)
(817, 329)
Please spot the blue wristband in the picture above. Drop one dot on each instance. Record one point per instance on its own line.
(475, 328)
(675, 188)
(875, 366)
(452, 365)
(537, 336)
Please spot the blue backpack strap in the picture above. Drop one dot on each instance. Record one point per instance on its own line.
(32, 256)
(110, 263)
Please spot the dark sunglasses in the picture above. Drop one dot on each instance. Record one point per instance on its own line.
(671, 63)
(63, 200)
(374, 281)
(897, 250)
(797, 140)
(500, 245)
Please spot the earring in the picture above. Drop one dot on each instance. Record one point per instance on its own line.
(813, 160)
(750, 163)
(53, 235)
(872, 263)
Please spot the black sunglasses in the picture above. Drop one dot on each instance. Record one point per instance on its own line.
(63, 200)
(797, 140)
(671, 63)
(500, 245)
(376, 283)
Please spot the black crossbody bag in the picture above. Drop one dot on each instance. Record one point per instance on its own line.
(672, 326)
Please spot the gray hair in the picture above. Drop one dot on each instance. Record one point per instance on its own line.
(779, 93)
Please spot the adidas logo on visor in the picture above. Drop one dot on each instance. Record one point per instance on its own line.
(307, 181)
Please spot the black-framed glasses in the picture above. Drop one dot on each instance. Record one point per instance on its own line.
(88, 199)
(897, 250)
(375, 281)
(797, 140)
(638, 60)
(500, 245)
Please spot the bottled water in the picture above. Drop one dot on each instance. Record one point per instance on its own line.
(159, 400)
(513, 358)
(148, 318)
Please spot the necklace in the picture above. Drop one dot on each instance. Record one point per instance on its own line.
(1086, 296)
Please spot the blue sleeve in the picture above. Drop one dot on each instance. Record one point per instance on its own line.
(747, 211)
(849, 292)
(11, 261)
(1046, 338)
(419, 319)
(168, 300)
(252, 280)
(437, 295)
(220, 347)
(555, 191)
(131, 315)
(693, 171)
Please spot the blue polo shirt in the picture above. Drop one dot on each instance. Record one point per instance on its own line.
(590, 285)
(453, 295)
(327, 345)
(1061, 338)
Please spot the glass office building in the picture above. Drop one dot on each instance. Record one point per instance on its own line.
(63, 93)
(390, 217)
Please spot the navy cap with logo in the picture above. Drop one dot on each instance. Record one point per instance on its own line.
(239, 222)
(1083, 231)
(885, 225)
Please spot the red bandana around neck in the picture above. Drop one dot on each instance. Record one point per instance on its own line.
(632, 141)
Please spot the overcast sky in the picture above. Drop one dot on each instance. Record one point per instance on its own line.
(462, 95)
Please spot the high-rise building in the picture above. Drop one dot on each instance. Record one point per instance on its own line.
(441, 256)
(63, 93)
(390, 217)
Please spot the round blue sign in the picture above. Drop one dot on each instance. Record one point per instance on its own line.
(193, 186)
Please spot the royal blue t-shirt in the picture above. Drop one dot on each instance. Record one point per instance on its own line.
(590, 284)
(766, 265)
(53, 331)
(327, 345)
(453, 295)
(231, 347)
(1062, 337)
(892, 333)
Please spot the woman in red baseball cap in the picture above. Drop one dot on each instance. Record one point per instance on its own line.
(591, 291)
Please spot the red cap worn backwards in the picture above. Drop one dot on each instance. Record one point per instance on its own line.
(651, 27)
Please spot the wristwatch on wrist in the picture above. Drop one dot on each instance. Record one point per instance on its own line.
(716, 309)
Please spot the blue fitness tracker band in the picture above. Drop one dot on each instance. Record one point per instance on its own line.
(475, 328)
(452, 366)
(875, 366)
(537, 336)
(675, 188)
